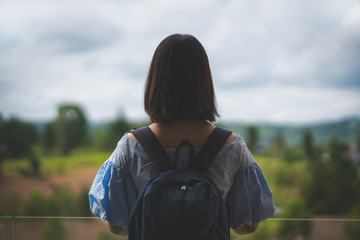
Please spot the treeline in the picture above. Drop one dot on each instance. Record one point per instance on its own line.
(333, 186)
(70, 129)
(334, 169)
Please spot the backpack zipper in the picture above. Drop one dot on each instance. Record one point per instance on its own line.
(183, 187)
(181, 195)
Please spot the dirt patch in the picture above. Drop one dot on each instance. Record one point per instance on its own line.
(77, 180)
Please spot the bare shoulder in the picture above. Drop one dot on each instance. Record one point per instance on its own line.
(131, 136)
(232, 137)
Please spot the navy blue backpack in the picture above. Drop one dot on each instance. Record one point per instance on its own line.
(180, 203)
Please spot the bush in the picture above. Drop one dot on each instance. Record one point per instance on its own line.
(16, 137)
(12, 203)
(83, 204)
(63, 202)
(37, 204)
(35, 162)
(292, 154)
(333, 188)
(292, 229)
(54, 230)
(352, 229)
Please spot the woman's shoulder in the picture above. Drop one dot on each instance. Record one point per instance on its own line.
(131, 136)
(232, 137)
(235, 141)
(125, 147)
(235, 152)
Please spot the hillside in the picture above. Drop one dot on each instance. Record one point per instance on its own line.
(346, 129)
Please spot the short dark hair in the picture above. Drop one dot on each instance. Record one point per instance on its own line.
(179, 85)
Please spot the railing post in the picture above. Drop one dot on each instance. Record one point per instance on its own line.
(12, 236)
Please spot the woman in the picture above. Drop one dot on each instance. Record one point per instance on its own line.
(180, 101)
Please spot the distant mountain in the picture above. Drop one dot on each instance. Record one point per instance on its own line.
(346, 129)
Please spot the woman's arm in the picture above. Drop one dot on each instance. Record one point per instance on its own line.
(246, 229)
(118, 230)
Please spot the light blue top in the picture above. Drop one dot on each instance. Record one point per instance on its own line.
(234, 171)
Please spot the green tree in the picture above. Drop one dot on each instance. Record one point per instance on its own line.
(252, 137)
(334, 187)
(54, 230)
(107, 136)
(292, 229)
(83, 205)
(63, 202)
(12, 204)
(69, 128)
(279, 140)
(49, 136)
(292, 154)
(37, 204)
(352, 229)
(308, 144)
(17, 137)
(34, 161)
(277, 146)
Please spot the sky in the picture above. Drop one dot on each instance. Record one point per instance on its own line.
(278, 61)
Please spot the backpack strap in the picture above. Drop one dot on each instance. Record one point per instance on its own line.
(152, 147)
(210, 149)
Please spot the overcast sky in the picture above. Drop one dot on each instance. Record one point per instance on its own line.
(282, 61)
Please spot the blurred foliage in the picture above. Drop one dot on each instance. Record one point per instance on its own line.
(16, 137)
(15, 168)
(305, 177)
(347, 130)
(12, 204)
(335, 183)
(106, 137)
(54, 230)
(62, 202)
(352, 229)
(37, 204)
(289, 230)
(34, 160)
(252, 137)
(308, 144)
(69, 128)
(292, 154)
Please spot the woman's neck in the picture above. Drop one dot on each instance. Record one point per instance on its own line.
(170, 133)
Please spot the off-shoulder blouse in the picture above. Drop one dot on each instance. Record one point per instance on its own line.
(235, 172)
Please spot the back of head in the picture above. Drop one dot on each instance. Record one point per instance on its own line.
(179, 84)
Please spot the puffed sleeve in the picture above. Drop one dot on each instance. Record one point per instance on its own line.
(249, 200)
(113, 194)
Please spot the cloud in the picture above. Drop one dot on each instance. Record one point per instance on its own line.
(98, 54)
(288, 104)
(82, 37)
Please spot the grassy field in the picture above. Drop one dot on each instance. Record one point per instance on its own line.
(77, 172)
(284, 178)
(20, 168)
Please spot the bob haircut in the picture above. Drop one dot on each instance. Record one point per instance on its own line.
(179, 85)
